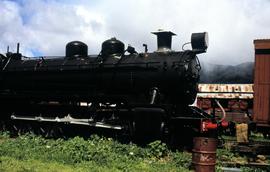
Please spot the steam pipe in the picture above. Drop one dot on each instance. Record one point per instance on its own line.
(18, 48)
(223, 111)
(145, 48)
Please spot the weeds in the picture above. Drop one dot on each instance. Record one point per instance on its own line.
(33, 153)
(96, 152)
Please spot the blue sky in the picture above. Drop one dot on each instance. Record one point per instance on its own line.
(43, 27)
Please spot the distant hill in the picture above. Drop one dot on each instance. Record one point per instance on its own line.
(227, 74)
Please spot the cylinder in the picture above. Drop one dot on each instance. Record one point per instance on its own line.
(204, 154)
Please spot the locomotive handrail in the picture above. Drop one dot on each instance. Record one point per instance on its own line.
(78, 66)
(6, 64)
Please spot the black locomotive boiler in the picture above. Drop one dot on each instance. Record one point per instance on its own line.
(147, 95)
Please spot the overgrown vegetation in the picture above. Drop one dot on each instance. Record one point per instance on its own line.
(94, 154)
(254, 136)
(33, 153)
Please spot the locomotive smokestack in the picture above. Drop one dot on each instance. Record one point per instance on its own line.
(164, 40)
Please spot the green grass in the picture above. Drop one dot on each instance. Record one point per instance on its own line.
(252, 137)
(258, 137)
(11, 164)
(30, 153)
(34, 153)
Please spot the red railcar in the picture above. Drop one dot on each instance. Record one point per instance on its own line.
(262, 86)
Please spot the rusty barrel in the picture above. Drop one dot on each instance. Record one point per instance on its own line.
(204, 154)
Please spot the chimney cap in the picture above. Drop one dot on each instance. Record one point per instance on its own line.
(163, 31)
(164, 40)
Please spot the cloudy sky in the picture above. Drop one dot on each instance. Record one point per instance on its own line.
(43, 27)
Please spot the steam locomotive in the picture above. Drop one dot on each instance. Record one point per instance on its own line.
(147, 95)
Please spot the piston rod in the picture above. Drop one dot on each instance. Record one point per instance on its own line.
(67, 119)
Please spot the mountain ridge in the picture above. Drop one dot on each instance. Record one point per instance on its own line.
(227, 74)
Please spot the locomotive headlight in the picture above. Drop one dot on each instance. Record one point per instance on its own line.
(199, 42)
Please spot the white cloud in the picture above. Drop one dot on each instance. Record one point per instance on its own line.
(46, 26)
(11, 27)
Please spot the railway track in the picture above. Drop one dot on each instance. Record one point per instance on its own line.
(235, 167)
(256, 152)
(253, 147)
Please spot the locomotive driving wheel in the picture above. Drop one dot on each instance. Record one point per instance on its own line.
(148, 125)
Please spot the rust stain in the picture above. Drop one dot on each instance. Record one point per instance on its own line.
(226, 91)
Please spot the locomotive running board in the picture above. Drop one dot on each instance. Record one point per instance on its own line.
(68, 120)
